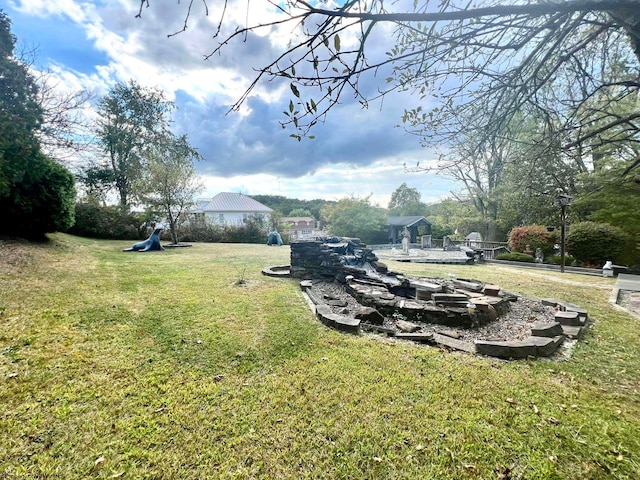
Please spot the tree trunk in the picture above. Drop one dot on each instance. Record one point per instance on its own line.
(629, 19)
(492, 221)
(173, 228)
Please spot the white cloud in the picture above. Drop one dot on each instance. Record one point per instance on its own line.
(75, 11)
(356, 152)
(334, 182)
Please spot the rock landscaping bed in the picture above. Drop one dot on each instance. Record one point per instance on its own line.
(350, 290)
(526, 327)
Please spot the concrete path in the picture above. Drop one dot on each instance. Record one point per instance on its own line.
(626, 294)
(628, 282)
(419, 255)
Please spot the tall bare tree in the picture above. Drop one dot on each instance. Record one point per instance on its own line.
(66, 131)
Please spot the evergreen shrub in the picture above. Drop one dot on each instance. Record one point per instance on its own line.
(555, 259)
(42, 202)
(254, 230)
(107, 222)
(594, 243)
(516, 257)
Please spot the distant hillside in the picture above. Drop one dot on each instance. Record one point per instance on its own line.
(285, 205)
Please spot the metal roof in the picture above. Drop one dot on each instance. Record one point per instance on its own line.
(231, 202)
(406, 221)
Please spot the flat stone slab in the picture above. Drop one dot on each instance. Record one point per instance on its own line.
(452, 304)
(450, 333)
(570, 307)
(488, 299)
(423, 295)
(530, 347)
(454, 343)
(347, 324)
(469, 293)
(416, 337)
(407, 327)
(449, 297)
(491, 290)
(572, 332)
(546, 329)
(569, 318)
(547, 346)
(467, 285)
(370, 315)
(277, 271)
(339, 322)
(429, 287)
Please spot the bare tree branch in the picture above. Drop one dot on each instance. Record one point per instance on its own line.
(557, 59)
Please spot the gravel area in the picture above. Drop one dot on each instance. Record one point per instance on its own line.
(514, 325)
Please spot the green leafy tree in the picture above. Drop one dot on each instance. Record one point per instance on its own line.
(169, 183)
(450, 216)
(609, 196)
(594, 243)
(36, 194)
(94, 220)
(405, 201)
(357, 217)
(275, 221)
(131, 119)
(300, 212)
(20, 113)
(286, 205)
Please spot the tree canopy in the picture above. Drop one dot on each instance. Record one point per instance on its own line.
(131, 120)
(573, 62)
(20, 113)
(406, 201)
(169, 180)
(36, 194)
(357, 217)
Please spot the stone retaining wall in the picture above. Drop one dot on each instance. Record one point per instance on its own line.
(326, 260)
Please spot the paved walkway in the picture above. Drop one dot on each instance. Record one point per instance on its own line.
(628, 282)
(420, 255)
(626, 294)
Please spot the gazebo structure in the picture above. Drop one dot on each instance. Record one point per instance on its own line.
(397, 225)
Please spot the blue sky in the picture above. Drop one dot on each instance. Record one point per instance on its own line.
(359, 152)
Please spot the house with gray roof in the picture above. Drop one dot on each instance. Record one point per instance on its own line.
(229, 208)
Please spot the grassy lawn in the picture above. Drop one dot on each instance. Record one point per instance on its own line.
(160, 365)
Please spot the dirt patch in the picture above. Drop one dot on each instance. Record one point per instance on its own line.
(14, 255)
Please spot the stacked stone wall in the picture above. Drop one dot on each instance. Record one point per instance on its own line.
(317, 259)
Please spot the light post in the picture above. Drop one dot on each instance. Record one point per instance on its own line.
(564, 201)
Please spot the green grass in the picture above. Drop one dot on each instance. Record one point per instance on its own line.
(159, 365)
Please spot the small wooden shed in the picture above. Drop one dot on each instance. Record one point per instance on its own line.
(397, 224)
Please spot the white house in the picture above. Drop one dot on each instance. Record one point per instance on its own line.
(301, 227)
(228, 208)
